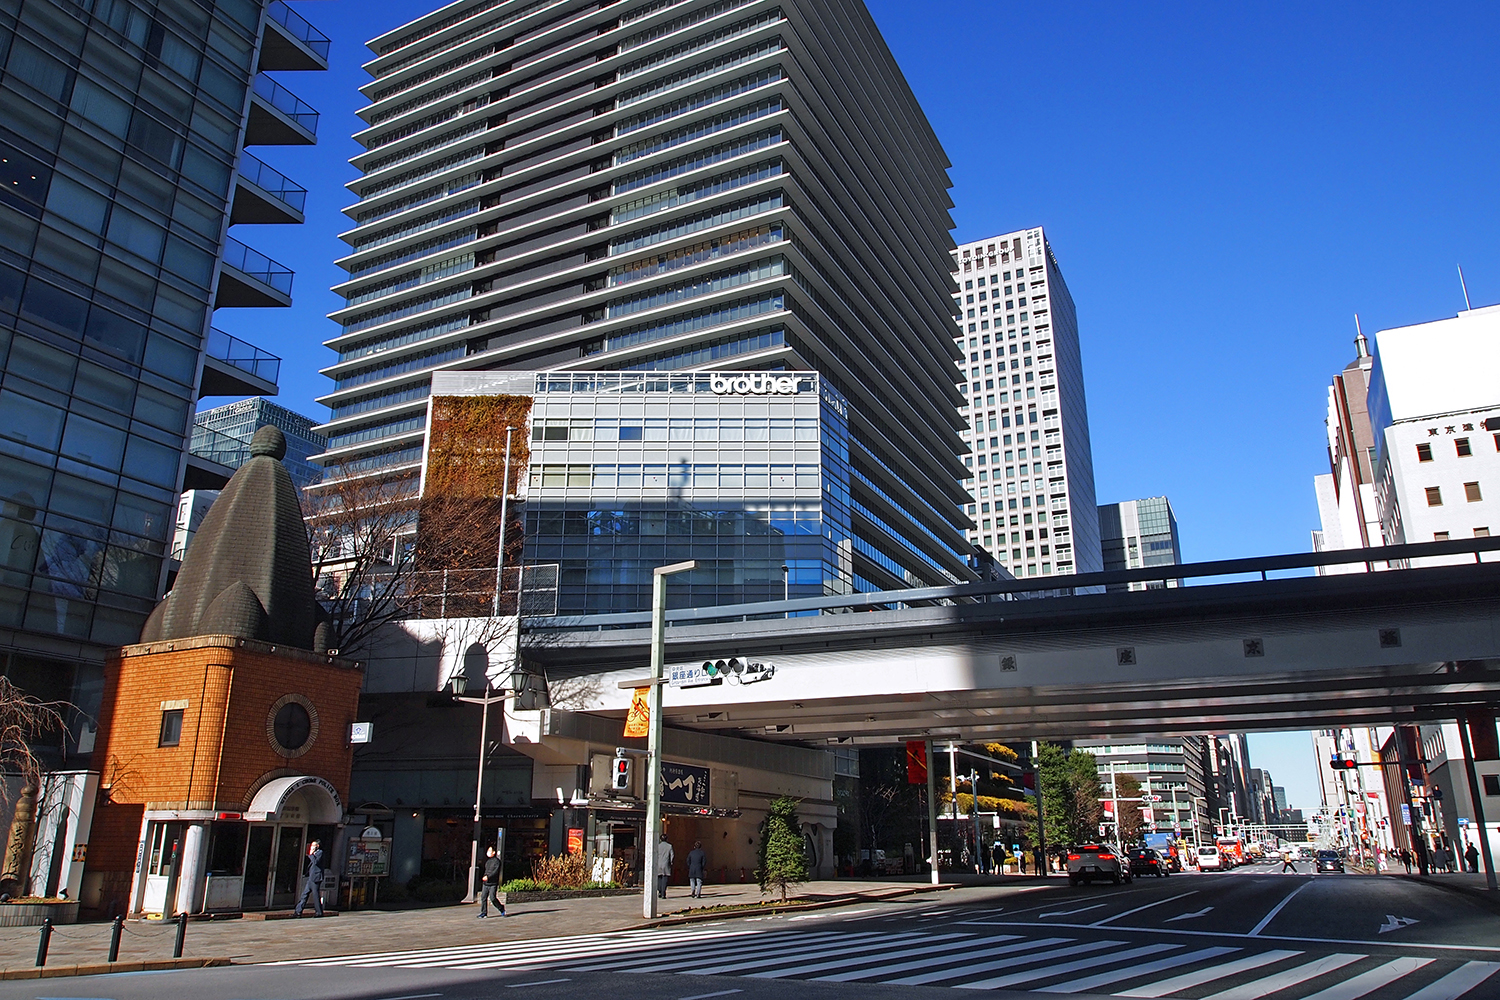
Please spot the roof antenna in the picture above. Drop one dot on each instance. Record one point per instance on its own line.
(1465, 286)
(1361, 345)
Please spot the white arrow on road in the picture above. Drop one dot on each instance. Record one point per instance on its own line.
(1069, 913)
(1190, 916)
(1395, 923)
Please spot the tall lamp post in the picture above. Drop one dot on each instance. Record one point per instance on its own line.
(460, 685)
(653, 726)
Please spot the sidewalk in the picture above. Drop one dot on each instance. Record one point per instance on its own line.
(365, 931)
(1470, 884)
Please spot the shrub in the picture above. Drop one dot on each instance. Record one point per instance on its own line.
(782, 861)
(524, 885)
(564, 871)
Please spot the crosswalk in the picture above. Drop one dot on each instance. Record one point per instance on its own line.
(1046, 963)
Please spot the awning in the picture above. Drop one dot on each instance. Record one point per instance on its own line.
(311, 800)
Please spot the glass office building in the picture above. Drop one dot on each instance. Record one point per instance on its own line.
(668, 186)
(223, 434)
(122, 165)
(1137, 534)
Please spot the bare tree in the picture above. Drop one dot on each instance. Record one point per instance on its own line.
(24, 722)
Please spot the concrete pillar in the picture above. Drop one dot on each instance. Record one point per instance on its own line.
(194, 868)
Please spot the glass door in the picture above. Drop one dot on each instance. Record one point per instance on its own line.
(285, 877)
(258, 868)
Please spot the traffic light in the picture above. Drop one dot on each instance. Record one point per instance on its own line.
(1340, 764)
(623, 775)
(717, 669)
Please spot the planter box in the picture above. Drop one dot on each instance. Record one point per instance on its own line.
(543, 895)
(32, 914)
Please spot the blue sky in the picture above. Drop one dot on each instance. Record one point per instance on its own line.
(1224, 187)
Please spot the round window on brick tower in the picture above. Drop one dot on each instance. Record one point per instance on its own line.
(292, 725)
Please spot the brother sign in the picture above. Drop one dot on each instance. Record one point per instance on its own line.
(759, 383)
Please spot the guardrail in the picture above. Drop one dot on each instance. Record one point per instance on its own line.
(1261, 566)
(298, 27)
(216, 446)
(243, 355)
(273, 182)
(286, 102)
(257, 265)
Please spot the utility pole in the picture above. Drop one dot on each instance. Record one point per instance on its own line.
(654, 726)
(932, 836)
(1041, 819)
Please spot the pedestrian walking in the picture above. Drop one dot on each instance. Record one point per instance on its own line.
(1440, 858)
(1289, 860)
(663, 866)
(1021, 856)
(312, 884)
(697, 861)
(1472, 856)
(1406, 859)
(489, 884)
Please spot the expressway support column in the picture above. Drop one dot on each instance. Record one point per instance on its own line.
(1476, 795)
(932, 837)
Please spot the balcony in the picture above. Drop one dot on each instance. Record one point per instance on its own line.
(279, 117)
(212, 458)
(250, 279)
(265, 196)
(232, 367)
(290, 42)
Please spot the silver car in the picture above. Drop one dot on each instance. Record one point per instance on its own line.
(1095, 861)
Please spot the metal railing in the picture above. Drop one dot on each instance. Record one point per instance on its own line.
(216, 446)
(298, 27)
(242, 355)
(257, 265)
(273, 182)
(286, 102)
(1394, 557)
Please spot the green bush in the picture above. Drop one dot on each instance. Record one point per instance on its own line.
(601, 885)
(525, 885)
(781, 861)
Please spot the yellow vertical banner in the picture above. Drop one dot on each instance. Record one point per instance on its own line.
(639, 719)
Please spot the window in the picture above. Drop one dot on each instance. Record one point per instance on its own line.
(1434, 496)
(1424, 453)
(1471, 492)
(171, 728)
(1492, 784)
(1481, 532)
(1461, 445)
(1440, 536)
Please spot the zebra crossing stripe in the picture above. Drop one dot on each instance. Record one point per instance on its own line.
(886, 970)
(842, 962)
(512, 954)
(883, 943)
(1458, 982)
(650, 960)
(1369, 982)
(522, 947)
(1291, 977)
(1136, 972)
(1058, 970)
(1002, 963)
(1198, 978)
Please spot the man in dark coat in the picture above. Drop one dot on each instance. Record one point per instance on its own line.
(489, 884)
(312, 884)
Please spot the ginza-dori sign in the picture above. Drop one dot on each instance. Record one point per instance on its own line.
(758, 384)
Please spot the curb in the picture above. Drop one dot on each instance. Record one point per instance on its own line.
(793, 907)
(102, 969)
(1485, 897)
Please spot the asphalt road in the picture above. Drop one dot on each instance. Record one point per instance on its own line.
(1241, 935)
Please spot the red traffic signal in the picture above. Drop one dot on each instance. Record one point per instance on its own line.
(1339, 764)
(622, 774)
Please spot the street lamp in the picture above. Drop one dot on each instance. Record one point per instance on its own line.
(460, 684)
(653, 726)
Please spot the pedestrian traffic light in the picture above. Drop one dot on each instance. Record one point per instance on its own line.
(1340, 764)
(622, 774)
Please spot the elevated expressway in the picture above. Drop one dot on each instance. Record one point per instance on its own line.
(991, 660)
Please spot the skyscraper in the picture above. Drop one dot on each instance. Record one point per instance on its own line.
(1137, 534)
(1030, 479)
(668, 186)
(1346, 493)
(122, 135)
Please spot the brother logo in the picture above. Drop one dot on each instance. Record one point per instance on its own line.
(760, 383)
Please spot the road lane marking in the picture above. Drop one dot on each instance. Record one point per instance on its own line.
(1021, 945)
(1001, 963)
(679, 964)
(540, 982)
(1369, 982)
(1000, 982)
(1191, 916)
(1069, 913)
(409, 996)
(843, 961)
(599, 960)
(1138, 909)
(1458, 982)
(1255, 931)
(1282, 980)
(1366, 943)
(705, 996)
(1190, 979)
(1395, 923)
(1136, 971)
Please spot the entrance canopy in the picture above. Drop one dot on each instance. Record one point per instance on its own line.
(298, 799)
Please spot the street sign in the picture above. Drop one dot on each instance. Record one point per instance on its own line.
(1406, 814)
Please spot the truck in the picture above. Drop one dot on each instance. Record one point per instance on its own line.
(1170, 846)
(1232, 850)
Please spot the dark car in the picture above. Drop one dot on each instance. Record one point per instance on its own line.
(1147, 861)
(1329, 861)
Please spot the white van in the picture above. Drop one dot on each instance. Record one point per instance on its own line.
(1208, 858)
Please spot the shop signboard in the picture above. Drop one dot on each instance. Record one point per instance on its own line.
(684, 784)
(368, 858)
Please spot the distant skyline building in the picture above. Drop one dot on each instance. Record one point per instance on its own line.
(222, 434)
(1172, 767)
(1031, 469)
(1138, 534)
(589, 190)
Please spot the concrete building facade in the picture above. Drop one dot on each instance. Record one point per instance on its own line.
(1171, 767)
(1140, 533)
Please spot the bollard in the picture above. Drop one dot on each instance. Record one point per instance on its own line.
(41, 948)
(181, 934)
(114, 938)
